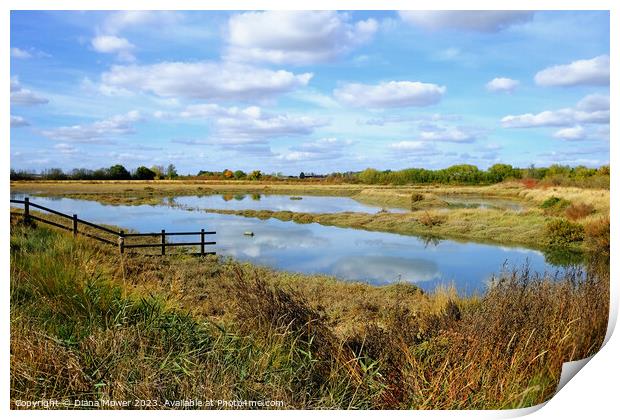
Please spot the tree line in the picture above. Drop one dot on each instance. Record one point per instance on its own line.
(471, 174)
(113, 173)
(457, 174)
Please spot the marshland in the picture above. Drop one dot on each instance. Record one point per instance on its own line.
(347, 295)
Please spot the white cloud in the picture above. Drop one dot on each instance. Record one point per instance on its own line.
(421, 118)
(19, 53)
(502, 84)
(390, 94)
(595, 102)
(296, 37)
(250, 124)
(452, 134)
(98, 131)
(558, 118)
(467, 20)
(65, 148)
(591, 110)
(21, 96)
(111, 44)
(571, 133)
(409, 146)
(129, 19)
(322, 149)
(17, 121)
(581, 72)
(204, 80)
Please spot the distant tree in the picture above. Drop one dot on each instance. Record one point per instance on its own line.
(55, 174)
(171, 172)
(302, 175)
(118, 172)
(500, 172)
(228, 174)
(255, 175)
(144, 173)
(239, 174)
(604, 170)
(159, 171)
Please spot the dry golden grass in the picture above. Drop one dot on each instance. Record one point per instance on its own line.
(85, 325)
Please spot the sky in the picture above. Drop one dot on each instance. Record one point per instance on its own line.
(324, 91)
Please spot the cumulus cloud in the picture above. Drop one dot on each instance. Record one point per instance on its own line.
(502, 84)
(111, 44)
(250, 124)
(594, 102)
(466, 20)
(17, 121)
(594, 71)
(571, 133)
(99, 131)
(588, 119)
(390, 94)
(295, 37)
(593, 109)
(204, 80)
(107, 39)
(21, 96)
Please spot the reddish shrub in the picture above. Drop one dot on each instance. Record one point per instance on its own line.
(529, 182)
(578, 211)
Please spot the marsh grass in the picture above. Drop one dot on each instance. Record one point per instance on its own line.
(85, 325)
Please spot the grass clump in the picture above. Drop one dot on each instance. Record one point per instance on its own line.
(555, 205)
(431, 219)
(597, 236)
(579, 211)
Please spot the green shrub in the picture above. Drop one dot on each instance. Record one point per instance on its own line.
(561, 232)
(555, 203)
(555, 206)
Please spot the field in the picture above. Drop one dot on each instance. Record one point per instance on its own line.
(88, 324)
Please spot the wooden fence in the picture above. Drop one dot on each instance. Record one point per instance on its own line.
(121, 236)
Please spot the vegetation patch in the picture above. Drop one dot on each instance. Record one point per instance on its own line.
(85, 325)
(562, 233)
(579, 211)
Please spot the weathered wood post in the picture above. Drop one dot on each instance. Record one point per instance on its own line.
(121, 242)
(202, 242)
(26, 209)
(163, 242)
(75, 224)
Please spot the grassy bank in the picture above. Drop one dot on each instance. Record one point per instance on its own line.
(480, 225)
(86, 324)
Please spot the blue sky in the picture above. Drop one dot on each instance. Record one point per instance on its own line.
(308, 91)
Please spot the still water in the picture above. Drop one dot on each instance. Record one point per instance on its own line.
(358, 255)
(300, 204)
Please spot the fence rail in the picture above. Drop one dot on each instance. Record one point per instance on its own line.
(120, 235)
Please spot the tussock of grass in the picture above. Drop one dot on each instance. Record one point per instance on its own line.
(86, 325)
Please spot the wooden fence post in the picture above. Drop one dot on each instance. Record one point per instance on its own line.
(26, 209)
(163, 242)
(121, 242)
(202, 242)
(75, 225)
